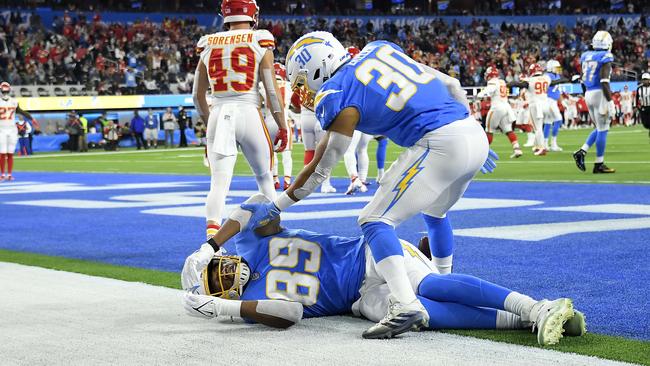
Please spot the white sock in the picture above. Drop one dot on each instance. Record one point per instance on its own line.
(444, 264)
(393, 270)
(518, 304)
(554, 140)
(545, 143)
(506, 320)
(530, 136)
(585, 147)
(287, 163)
(380, 174)
(599, 159)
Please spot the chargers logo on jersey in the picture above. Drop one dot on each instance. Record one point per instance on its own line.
(407, 179)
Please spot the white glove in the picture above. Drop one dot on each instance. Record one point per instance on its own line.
(200, 306)
(611, 109)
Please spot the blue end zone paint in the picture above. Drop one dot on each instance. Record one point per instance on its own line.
(605, 273)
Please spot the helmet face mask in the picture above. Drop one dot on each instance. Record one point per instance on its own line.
(225, 277)
(5, 89)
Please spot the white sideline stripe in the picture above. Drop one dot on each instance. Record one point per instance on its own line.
(80, 320)
(76, 187)
(79, 155)
(528, 162)
(537, 232)
(563, 181)
(613, 208)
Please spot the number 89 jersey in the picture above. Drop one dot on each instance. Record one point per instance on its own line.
(394, 95)
(322, 272)
(592, 62)
(232, 59)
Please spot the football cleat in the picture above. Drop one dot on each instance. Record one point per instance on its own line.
(516, 154)
(540, 152)
(579, 157)
(276, 183)
(354, 187)
(327, 189)
(549, 317)
(423, 246)
(9, 178)
(576, 326)
(363, 188)
(2, 178)
(401, 318)
(556, 148)
(601, 168)
(530, 143)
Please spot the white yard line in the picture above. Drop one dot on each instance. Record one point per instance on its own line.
(564, 181)
(60, 318)
(76, 154)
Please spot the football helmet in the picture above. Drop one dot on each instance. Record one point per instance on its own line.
(491, 72)
(645, 76)
(5, 89)
(553, 66)
(535, 69)
(353, 51)
(311, 61)
(280, 71)
(239, 11)
(225, 276)
(602, 41)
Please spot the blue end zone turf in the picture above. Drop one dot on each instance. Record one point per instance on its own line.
(588, 242)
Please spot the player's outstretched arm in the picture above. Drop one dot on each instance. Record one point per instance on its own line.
(24, 113)
(273, 313)
(275, 102)
(518, 84)
(199, 91)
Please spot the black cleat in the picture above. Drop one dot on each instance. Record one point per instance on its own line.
(601, 168)
(579, 157)
(424, 247)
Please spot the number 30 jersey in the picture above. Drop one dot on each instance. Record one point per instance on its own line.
(232, 59)
(394, 95)
(592, 62)
(322, 272)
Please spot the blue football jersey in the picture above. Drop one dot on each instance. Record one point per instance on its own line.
(322, 272)
(395, 97)
(592, 62)
(555, 90)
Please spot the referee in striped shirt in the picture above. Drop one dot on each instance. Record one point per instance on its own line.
(643, 100)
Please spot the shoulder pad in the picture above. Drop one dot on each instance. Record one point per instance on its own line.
(264, 38)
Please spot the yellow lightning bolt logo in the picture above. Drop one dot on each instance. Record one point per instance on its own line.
(407, 179)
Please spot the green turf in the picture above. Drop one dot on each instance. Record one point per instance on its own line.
(628, 151)
(604, 346)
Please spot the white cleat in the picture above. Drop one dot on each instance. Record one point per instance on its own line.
(401, 318)
(529, 144)
(327, 189)
(363, 188)
(206, 163)
(556, 148)
(516, 154)
(354, 186)
(549, 318)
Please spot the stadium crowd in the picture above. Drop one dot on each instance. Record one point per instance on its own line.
(147, 57)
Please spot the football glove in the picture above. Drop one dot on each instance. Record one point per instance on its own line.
(200, 306)
(490, 164)
(262, 213)
(281, 138)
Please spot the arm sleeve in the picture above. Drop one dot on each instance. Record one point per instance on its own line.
(288, 310)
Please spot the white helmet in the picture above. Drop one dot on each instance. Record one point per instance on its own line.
(553, 66)
(645, 76)
(311, 60)
(602, 41)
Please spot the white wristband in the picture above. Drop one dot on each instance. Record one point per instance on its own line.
(228, 307)
(283, 201)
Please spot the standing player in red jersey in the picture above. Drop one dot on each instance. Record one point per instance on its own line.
(231, 65)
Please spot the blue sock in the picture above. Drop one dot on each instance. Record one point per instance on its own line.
(448, 315)
(441, 236)
(556, 128)
(295, 134)
(382, 146)
(601, 143)
(463, 289)
(547, 130)
(592, 138)
(382, 240)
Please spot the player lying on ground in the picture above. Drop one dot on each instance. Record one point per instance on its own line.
(282, 275)
(382, 91)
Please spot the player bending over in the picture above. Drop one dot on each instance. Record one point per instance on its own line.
(382, 91)
(9, 131)
(596, 71)
(231, 64)
(281, 275)
(501, 115)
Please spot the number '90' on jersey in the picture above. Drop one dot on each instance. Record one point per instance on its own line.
(322, 272)
(394, 95)
(592, 62)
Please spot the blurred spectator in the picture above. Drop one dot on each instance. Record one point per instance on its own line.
(151, 126)
(130, 81)
(112, 135)
(74, 129)
(169, 125)
(183, 123)
(137, 129)
(200, 132)
(24, 131)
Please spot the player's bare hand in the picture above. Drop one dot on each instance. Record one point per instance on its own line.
(263, 213)
(490, 163)
(281, 140)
